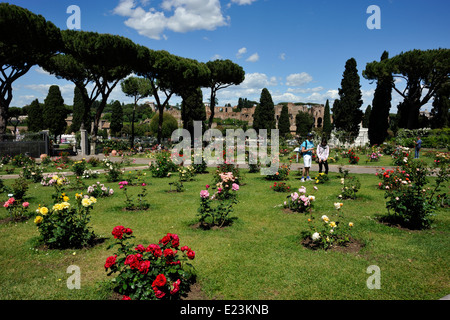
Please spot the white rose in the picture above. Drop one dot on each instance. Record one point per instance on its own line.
(316, 236)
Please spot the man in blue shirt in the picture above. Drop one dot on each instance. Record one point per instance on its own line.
(307, 151)
(417, 148)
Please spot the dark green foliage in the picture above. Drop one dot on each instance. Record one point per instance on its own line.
(346, 111)
(80, 116)
(26, 39)
(379, 116)
(116, 117)
(425, 71)
(327, 128)
(223, 73)
(304, 122)
(35, 118)
(193, 109)
(264, 116)
(441, 107)
(366, 117)
(137, 88)
(284, 124)
(55, 112)
(169, 125)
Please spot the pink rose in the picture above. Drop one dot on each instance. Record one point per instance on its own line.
(25, 204)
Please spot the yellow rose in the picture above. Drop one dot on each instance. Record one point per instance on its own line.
(65, 198)
(78, 195)
(350, 224)
(93, 200)
(38, 220)
(85, 202)
(332, 224)
(59, 182)
(43, 210)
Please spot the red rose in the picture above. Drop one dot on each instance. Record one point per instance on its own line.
(184, 248)
(169, 253)
(155, 250)
(133, 261)
(140, 248)
(110, 261)
(144, 266)
(191, 254)
(176, 287)
(160, 281)
(118, 232)
(165, 240)
(158, 293)
(126, 298)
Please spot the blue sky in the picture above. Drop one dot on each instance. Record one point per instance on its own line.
(295, 48)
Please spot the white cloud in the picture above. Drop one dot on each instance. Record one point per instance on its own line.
(39, 69)
(283, 56)
(216, 57)
(253, 58)
(241, 52)
(307, 90)
(298, 79)
(243, 2)
(187, 15)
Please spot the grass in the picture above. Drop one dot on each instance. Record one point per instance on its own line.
(259, 257)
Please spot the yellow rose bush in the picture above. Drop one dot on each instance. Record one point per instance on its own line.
(66, 225)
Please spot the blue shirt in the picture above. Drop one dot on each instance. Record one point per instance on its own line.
(307, 145)
(419, 144)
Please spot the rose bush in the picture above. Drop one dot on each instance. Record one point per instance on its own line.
(65, 226)
(157, 272)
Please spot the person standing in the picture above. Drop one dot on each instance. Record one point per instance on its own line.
(418, 146)
(323, 151)
(307, 151)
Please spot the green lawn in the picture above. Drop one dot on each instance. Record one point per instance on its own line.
(259, 257)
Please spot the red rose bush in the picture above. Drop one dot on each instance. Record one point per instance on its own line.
(157, 272)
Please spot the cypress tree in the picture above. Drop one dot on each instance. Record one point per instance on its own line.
(55, 112)
(346, 111)
(264, 116)
(193, 109)
(35, 119)
(304, 122)
(366, 118)
(327, 128)
(116, 117)
(284, 125)
(381, 105)
(441, 107)
(79, 115)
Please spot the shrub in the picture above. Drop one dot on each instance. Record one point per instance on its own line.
(329, 231)
(352, 157)
(163, 165)
(412, 205)
(401, 156)
(157, 272)
(215, 209)
(32, 172)
(321, 178)
(281, 174)
(280, 187)
(19, 188)
(130, 203)
(351, 186)
(79, 167)
(99, 190)
(299, 202)
(18, 210)
(64, 226)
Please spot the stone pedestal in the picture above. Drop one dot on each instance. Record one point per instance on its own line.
(84, 143)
